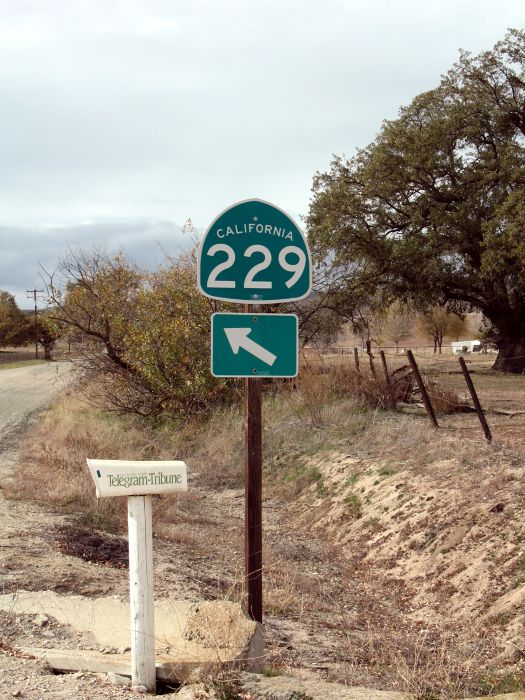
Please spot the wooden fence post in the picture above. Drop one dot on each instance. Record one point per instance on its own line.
(356, 359)
(253, 559)
(387, 378)
(385, 367)
(371, 358)
(422, 389)
(477, 404)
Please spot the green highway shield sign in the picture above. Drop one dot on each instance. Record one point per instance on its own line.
(254, 345)
(254, 252)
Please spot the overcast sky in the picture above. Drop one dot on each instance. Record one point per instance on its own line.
(119, 120)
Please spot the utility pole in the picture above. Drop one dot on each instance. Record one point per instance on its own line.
(34, 294)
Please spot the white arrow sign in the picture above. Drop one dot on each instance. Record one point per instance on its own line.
(238, 338)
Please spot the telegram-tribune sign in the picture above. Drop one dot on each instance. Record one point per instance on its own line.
(116, 477)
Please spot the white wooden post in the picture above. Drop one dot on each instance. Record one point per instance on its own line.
(141, 592)
(137, 480)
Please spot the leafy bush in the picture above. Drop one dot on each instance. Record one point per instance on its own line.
(142, 338)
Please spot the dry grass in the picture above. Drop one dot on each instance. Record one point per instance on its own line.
(320, 383)
(444, 399)
(325, 413)
(285, 593)
(282, 596)
(217, 448)
(52, 464)
(425, 662)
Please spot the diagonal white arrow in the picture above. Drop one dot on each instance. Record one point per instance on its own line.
(238, 338)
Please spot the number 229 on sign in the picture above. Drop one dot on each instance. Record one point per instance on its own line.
(254, 252)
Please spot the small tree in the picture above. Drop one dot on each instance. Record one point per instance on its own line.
(14, 326)
(396, 323)
(48, 332)
(437, 322)
(145, 346)
(95, 295)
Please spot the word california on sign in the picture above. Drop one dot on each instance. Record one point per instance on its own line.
(268, 229)
(254, 252)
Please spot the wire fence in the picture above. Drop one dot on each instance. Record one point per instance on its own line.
(498, 393)
(388, 349)
(8, 357)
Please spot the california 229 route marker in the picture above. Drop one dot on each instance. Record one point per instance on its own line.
(254, 253)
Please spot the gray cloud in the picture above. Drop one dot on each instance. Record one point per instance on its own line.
(25, 251)
(143, 111)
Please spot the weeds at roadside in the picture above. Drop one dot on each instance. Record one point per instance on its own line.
(374, 524)
(272, 672)
(427, 662)
(352, 480)
(445, 400)
(282, 596)
(353, 505)
(226, 688)
(496, 684)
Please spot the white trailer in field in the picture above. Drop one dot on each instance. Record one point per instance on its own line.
(464, 346)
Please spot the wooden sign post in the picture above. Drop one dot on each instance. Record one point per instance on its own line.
(138, 481)
(254, 253)
(253, 560)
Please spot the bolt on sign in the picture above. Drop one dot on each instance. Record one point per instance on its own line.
(253, 252)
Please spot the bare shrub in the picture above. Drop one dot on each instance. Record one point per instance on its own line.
(281, 595)
(374, 391)
(445, 400)
(427, 662)
(314, 387)
(321, 384)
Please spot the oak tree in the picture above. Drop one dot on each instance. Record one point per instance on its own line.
(433, 210)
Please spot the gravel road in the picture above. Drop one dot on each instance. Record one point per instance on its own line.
(24, 390)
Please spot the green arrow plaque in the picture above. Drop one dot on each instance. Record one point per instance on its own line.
(254, 345)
